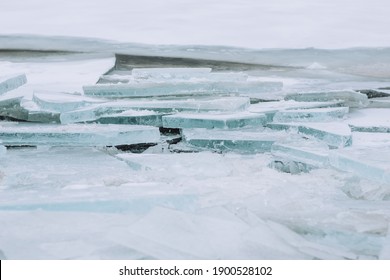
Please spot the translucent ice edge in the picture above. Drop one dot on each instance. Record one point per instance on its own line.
(350, 98)
(62, 102)
(3, 150)
(222, 121)
(133, 117)
(335, 135)
(12, 82)
(91, 113)
(11, 107)
(77, 135)
(179, 88)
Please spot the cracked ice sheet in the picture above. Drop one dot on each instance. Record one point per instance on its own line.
(319, 212)
(67, 74)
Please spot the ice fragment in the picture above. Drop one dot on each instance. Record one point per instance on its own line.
(12, 82)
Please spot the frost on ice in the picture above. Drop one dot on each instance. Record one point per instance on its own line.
(155, 159)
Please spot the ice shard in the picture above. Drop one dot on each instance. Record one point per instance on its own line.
(12, 82)
(370, 163)
(11, 107)
(223, 121)
(62, 102)
(181, 88)
(232, 140)
(133, 117)
(92, 113)
(308, 151)
(350, 98)
(37, 114)
(170, 73)
(370, 120)
(76, 134)
(334, 134)
(311, 115)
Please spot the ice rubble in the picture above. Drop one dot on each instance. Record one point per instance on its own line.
(188, 205)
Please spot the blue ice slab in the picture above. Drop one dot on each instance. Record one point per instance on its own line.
(367, 162)
(375, 120)
(334, 134)
(222, 121)
(92, 113)
(308, 151)
(138, 205)
(76, 134)
(62, 102)
(12, 107)
(181, 88)
(244, 141)
(12, 82)
(350, 98)
(39, 115)
(311, 115)
(133, 117)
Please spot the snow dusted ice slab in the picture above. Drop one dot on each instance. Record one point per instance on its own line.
(62, 102)
(349, 98)
(170, 73)
(311, 115)
(370, 163)
(308, 151)
(270, 108)
(133, 117)
(233, 140)
(91, 113)
(12, 82)
(180, 88)
(76, 134)
(334, 134)
(223, 121)
(11, 107)
(370, 120)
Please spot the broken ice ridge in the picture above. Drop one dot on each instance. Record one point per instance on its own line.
(221, 120)
(311, 115)
(350, 98)
(232, 140)
(12, 82)
(334, 134)
(92, 113)
(76, 134)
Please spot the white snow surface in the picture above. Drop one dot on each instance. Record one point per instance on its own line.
(243, 23)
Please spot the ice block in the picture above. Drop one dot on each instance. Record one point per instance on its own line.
(76, 134)
(223, 121)
(311, 115)
(233, 140)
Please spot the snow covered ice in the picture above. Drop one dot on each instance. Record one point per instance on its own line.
(189, 131)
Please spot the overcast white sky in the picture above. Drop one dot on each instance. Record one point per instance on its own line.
(245, 23)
